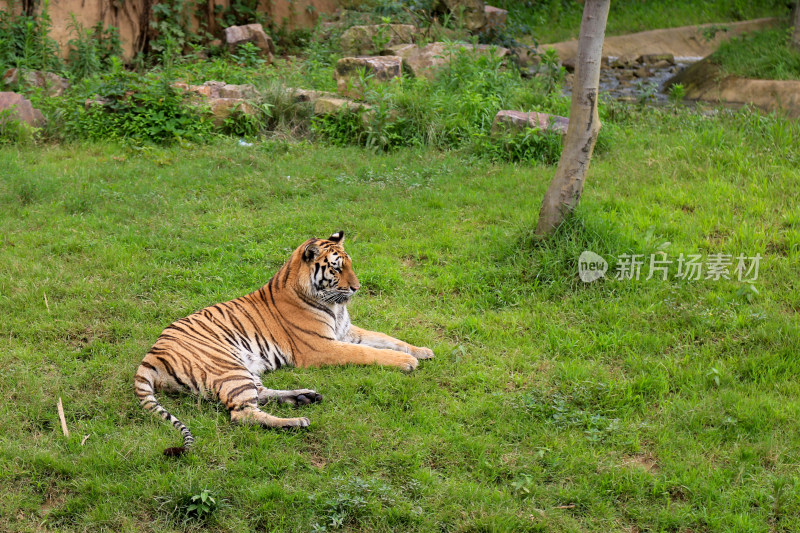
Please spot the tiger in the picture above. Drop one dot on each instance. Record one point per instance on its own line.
(298, 319)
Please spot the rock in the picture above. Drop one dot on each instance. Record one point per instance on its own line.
(525, 56)
(626, 74)
(223, 108)
(625, 61)
(651, 59)
(513, 121)
(349, 70)
(306, 95)
(250, 33)
(425, 61)
(220, 89)
(96, 101)
(21, 109)
(661, 65)
(245, 91)
(569, 63)
(363, 40)
(642, 72)
(495, 18)
(53, 84)
(469, 13)
(330, 106)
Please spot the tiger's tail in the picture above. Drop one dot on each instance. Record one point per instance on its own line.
(145, 391)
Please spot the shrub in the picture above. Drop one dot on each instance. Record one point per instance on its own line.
(126, 105)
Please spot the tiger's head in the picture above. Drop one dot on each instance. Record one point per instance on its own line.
(330, 276)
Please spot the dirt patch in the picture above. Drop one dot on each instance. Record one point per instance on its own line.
(645, 461)
(685, 41)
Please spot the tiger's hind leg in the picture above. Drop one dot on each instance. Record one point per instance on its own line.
(291, 397)
(241, 399)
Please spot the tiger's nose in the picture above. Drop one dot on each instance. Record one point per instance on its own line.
(355, 287)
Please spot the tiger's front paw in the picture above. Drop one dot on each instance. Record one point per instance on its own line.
(422, 353)
(408, 363)
(300, 397)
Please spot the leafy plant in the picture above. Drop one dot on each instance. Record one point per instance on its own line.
(248, 55)
(201, 505)
(90, 51)
(126, 105)
(677, 93)
(13, 131)
(25, 42)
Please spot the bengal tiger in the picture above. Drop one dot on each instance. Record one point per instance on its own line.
(299, 318)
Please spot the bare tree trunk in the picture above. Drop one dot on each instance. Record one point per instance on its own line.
(565, 190)
(796, 32)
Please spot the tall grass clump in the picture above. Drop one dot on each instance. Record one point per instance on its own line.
(766, 54)
(25, 42)
(455, 110)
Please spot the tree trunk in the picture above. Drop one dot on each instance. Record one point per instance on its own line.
(796, 32)
(565, 190)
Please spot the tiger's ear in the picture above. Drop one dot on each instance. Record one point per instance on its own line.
(337, 237)
(310, 252)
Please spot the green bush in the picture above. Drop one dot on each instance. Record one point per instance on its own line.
(125, 105)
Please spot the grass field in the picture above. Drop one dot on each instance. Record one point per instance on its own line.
(552, 405)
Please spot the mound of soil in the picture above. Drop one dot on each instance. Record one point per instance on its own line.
(705, 81)
(686, 41)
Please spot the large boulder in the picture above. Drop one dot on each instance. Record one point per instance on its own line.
(353, 74)
(427, 60)
(250, 33)
(14, 106)
(516, 121)
(469, 13)
(52, 84)
(363, 40)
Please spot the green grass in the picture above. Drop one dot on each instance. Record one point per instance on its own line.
(551, 405)
(552, 21)
(765, 55)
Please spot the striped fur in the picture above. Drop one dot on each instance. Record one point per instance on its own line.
(299, 318)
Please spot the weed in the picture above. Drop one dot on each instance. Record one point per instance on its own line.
(90, 51)
(201, 505)
(248, 55)
(677, 93)
(25, 42)
(14, 131)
